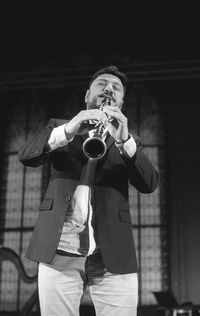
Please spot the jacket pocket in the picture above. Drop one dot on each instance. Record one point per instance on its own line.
(125, 216)
(46, 205)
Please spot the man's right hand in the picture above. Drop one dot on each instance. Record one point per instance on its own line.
(79, 124)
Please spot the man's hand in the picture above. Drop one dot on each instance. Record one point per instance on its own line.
(80, 124)
(118, 128)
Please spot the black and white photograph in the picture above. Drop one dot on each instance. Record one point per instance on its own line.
(99, 158)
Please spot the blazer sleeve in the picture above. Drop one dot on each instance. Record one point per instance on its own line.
(33, 153)
(142, 174)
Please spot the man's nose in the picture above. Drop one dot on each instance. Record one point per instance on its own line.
(109, 87)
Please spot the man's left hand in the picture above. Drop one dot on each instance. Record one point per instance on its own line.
(118, 128)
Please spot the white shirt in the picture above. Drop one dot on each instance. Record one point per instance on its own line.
(78, 234)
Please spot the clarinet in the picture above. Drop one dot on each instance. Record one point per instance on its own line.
(95, 147)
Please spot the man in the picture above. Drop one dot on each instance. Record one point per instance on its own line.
(83, 235)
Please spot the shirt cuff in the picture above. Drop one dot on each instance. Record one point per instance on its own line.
(58, 138)
(128, 148)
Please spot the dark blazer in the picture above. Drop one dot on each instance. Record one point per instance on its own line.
(112, 176)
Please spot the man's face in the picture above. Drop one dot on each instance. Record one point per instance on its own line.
(94, 95)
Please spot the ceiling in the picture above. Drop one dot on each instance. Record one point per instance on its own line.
(53, 34)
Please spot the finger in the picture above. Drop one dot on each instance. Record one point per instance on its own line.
(88, 125)
(92, 115)
(99, 115)
(116, 115)
(112, 108)
(91, 127)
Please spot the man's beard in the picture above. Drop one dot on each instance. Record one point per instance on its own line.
(94, 102)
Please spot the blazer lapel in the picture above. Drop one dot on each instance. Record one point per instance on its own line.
(109, 140)
(84, 137)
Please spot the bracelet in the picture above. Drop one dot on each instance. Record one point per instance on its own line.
(124, 141)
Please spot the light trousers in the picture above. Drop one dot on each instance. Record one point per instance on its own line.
(61, 285)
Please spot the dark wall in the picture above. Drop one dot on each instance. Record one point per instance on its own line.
(46, 35)
(184, 176)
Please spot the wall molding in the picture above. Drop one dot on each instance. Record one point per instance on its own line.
(79, 76)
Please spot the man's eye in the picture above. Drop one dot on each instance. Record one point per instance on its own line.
(117, 88)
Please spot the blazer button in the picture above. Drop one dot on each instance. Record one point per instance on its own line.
(68, 199)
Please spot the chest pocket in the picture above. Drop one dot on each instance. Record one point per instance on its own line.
(46, 205)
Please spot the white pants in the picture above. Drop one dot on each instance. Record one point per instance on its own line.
(61, 285)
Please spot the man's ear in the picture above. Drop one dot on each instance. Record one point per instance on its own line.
(86, 96)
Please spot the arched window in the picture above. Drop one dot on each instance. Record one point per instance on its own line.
(22, 188)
